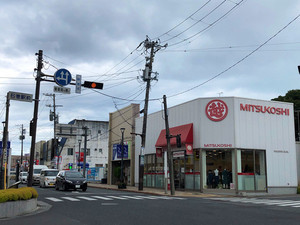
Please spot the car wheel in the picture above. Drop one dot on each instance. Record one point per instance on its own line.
(56, 187)
(64, 187)
(84, 189)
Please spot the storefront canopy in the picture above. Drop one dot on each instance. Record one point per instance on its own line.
(186, 132)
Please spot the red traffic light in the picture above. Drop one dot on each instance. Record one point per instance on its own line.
(95, 85)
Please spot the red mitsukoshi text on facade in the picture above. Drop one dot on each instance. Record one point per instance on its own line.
(264, 109)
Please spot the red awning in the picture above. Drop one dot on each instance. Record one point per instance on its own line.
(186, 132)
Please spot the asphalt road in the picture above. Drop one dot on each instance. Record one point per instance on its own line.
(109, 207)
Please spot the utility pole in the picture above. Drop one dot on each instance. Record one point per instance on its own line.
(33, 122)
(85, 128)
(154, 46)
(22, 137)
(170, 155)
(4, 144)
(54, 117)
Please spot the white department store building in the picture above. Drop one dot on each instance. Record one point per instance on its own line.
(229, 143)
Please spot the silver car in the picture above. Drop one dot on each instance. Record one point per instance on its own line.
(47, 177)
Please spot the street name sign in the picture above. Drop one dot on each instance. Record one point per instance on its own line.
(63, 90)
(20, 96)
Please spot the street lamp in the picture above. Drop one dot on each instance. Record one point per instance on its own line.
(122, 184)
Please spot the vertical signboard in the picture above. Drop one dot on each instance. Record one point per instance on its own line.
(78, 84)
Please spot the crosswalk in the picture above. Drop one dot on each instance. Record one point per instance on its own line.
(110, 198)
(270, 202)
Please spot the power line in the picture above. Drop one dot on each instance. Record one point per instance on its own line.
(189, 17)
(239, 61)
(198, 21)
(209, 26)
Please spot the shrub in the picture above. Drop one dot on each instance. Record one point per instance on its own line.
(23, 193)
(298, 190)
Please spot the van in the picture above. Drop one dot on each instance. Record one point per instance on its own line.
(48, 177)
(36, 173)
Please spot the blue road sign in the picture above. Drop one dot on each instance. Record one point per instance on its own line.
(119, 151)
(62, 77)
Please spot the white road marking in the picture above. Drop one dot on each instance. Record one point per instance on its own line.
(132, 197)
(103, 198)
(71, 199)
(87, 198)
(54, 199)
(117, 197)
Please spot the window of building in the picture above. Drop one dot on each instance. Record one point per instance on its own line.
(251, 170)
(70, 151)
(88, 152)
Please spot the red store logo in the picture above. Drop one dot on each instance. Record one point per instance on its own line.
(216, 110)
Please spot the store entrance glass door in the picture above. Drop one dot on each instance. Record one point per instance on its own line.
(218, 169)
(179, 171)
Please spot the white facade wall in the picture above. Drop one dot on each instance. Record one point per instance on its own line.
(97, 143)
(240, 129)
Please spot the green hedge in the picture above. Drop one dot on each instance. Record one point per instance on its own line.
(298, 190)
(23, 193)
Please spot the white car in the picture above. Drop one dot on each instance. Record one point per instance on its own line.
(23, 177)
(48, 177)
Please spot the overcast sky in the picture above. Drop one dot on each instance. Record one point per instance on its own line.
(251, 49)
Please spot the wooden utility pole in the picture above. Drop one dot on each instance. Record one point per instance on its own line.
(33, 123)
(170, 154)
(155, 47)
(4, 144)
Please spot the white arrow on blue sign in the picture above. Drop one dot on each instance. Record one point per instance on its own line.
(62, 77)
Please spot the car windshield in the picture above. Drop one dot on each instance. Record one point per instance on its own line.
(73, 175)
(24, 174)
(37, 171)
(51, 173)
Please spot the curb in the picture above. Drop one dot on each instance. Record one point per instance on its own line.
(17, 208)
(196, 195)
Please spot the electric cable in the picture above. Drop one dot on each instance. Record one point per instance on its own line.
(239, 61)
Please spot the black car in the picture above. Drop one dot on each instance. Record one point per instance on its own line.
(69, 179)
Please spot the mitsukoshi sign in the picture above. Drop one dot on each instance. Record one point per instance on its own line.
(216, 110)
(264, 109)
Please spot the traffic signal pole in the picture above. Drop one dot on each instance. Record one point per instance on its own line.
(169, 153)
(35, 116)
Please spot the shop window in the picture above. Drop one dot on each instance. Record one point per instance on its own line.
(159, 174)
(260, 171)
(197, 169)
(189, 172)
(251, 170)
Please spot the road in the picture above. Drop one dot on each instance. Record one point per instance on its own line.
(113, 207)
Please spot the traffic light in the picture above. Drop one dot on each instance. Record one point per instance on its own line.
(178, 141)
(70, 166)
(94, 85)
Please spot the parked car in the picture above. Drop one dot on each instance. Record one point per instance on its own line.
(48, 177)
(70, 179)
(23, 177)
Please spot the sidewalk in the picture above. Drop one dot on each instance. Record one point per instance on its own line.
(154, 191)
